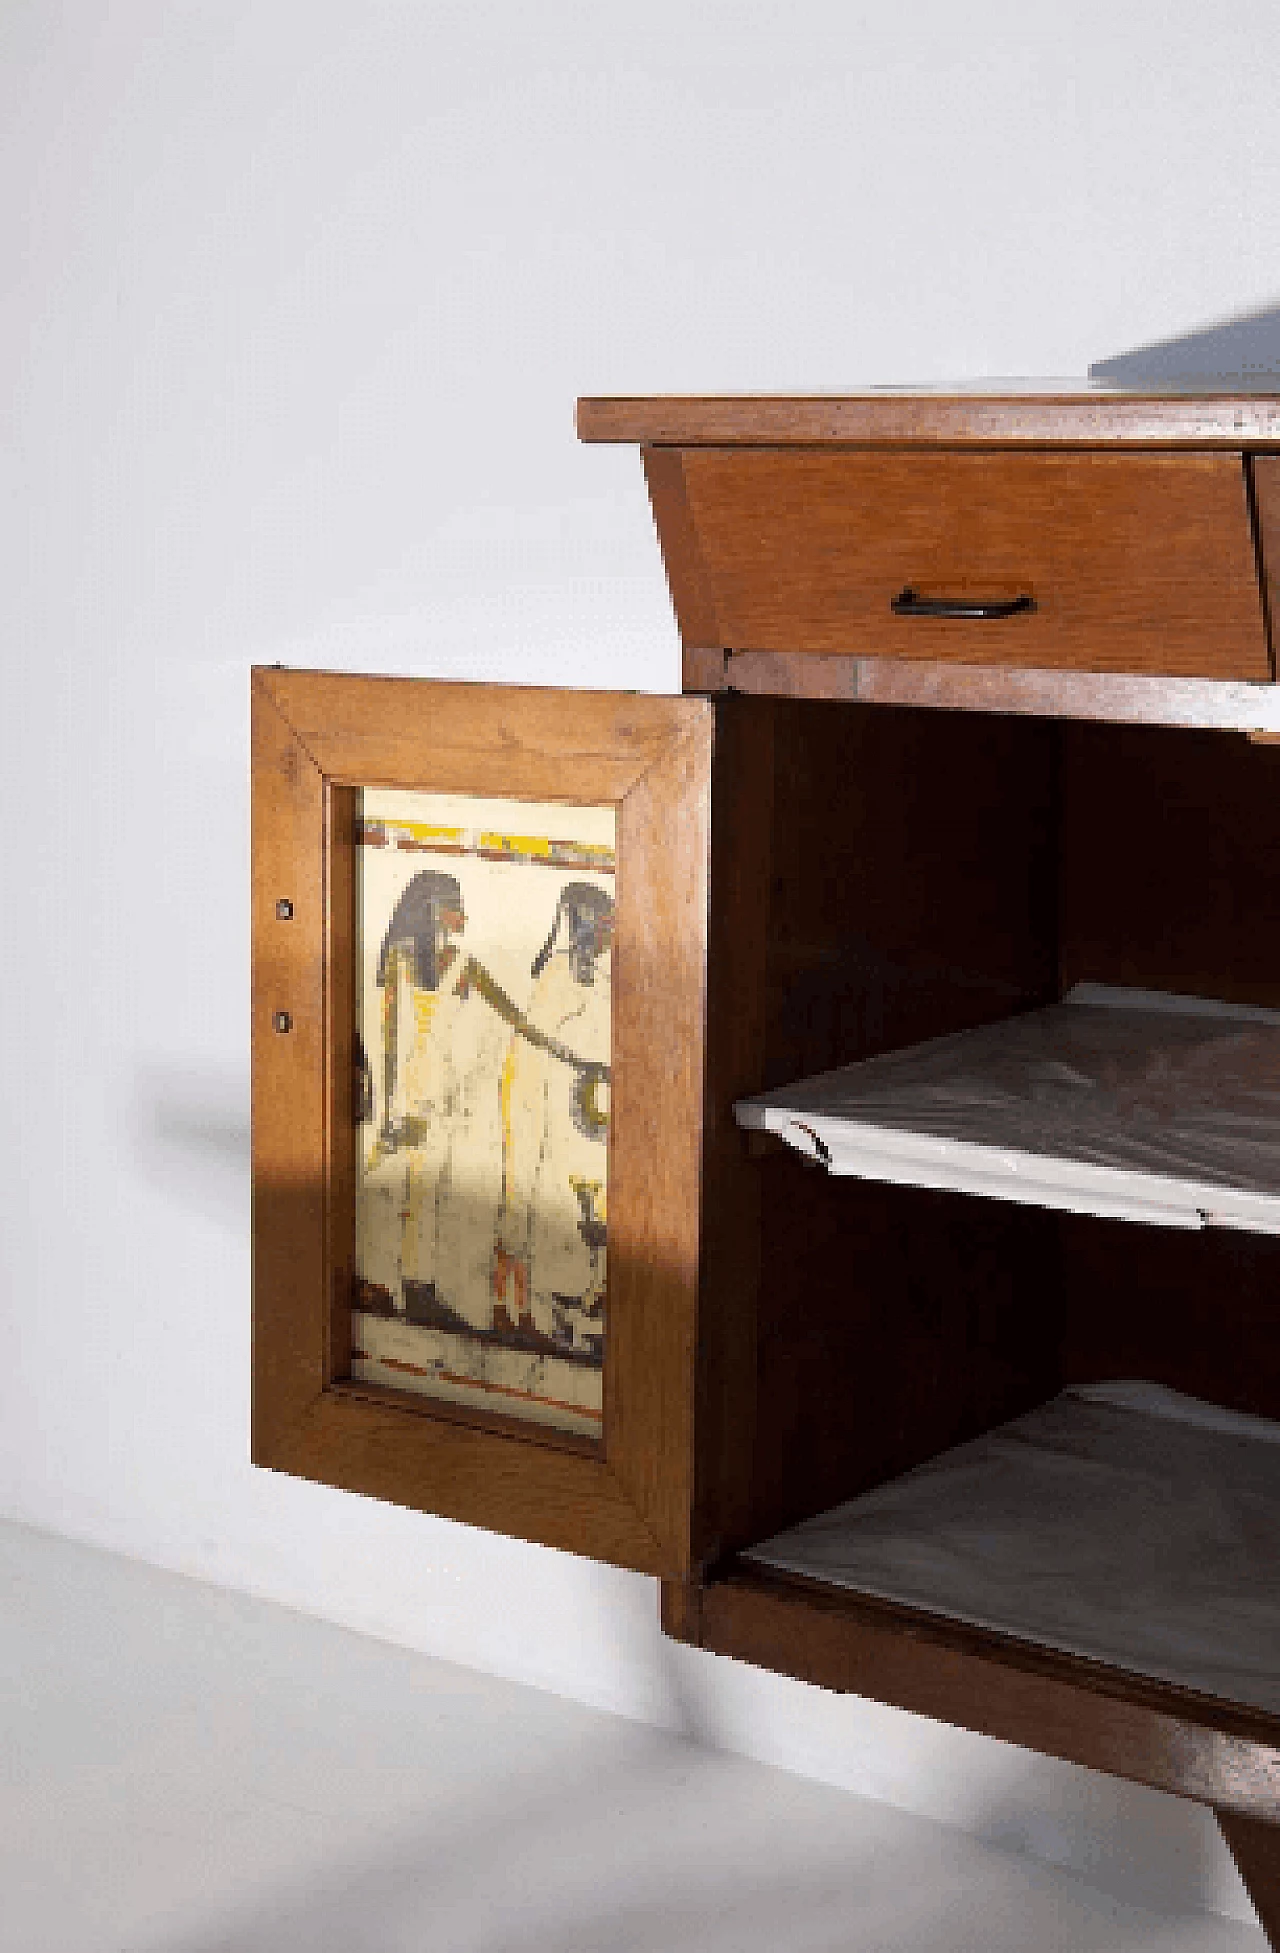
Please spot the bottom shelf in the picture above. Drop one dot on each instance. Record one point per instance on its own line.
(1122, 1523)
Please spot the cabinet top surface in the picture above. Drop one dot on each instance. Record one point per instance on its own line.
(1010, 414)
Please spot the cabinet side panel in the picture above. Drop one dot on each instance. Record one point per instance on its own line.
(656, 1124)
(913, 894)
(289, 1164)
(729, 1272)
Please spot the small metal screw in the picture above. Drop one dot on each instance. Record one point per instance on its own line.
(284, 910)
(282, 1021)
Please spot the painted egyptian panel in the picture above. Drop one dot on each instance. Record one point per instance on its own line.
(483, 1019)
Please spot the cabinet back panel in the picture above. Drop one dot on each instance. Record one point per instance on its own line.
(893, 1323)
(1198, 1312)
(1171, 861)
(912, 879)
(1171, 881)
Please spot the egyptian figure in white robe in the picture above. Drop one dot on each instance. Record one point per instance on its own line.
(556, 1130)
(433, 1185)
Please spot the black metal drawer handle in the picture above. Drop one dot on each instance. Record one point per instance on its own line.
(909, 603)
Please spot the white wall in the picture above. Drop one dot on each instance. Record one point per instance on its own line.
(296, 301)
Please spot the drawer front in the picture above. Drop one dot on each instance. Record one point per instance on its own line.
(1133, 562)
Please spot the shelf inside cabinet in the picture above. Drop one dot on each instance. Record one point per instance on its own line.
(1124, 1523)
(1121, 1103)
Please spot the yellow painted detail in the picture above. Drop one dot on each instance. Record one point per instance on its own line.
(427, 834)
(521, 847)
(527, 844)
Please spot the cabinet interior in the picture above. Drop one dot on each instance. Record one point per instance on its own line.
(885, 875)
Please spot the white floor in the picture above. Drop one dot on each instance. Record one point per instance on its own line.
(186, 1770)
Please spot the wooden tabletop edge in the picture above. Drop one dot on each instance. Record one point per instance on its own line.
(1091, 417)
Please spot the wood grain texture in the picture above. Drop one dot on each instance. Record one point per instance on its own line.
(1146, 1731)
(660, 960)
(687, 580)
(1255, 1846)
(499, 1480)
(1116, 697)
(536, 742)
(290, 1306)
(476, 1416)
(1264, 472)
(1135, 562)
(340, 952)
(1088, 417)
(652, 757)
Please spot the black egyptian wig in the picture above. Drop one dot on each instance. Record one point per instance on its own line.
(581, 924)
(415, 924)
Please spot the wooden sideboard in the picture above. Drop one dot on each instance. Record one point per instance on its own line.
(979, 703)
(961, 815)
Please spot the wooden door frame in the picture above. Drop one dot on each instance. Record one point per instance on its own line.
(317, 736)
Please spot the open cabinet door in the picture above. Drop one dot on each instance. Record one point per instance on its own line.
(480, 947)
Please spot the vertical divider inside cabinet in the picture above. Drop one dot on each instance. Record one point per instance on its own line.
(341, 1083)
(742, 823)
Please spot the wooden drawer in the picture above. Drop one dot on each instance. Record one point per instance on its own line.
(1131, 562)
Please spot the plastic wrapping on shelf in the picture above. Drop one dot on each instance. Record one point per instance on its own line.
(1122, 1522)
(1128, 1103)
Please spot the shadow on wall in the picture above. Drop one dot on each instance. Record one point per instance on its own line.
(189, 1133)
(1242, 355)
